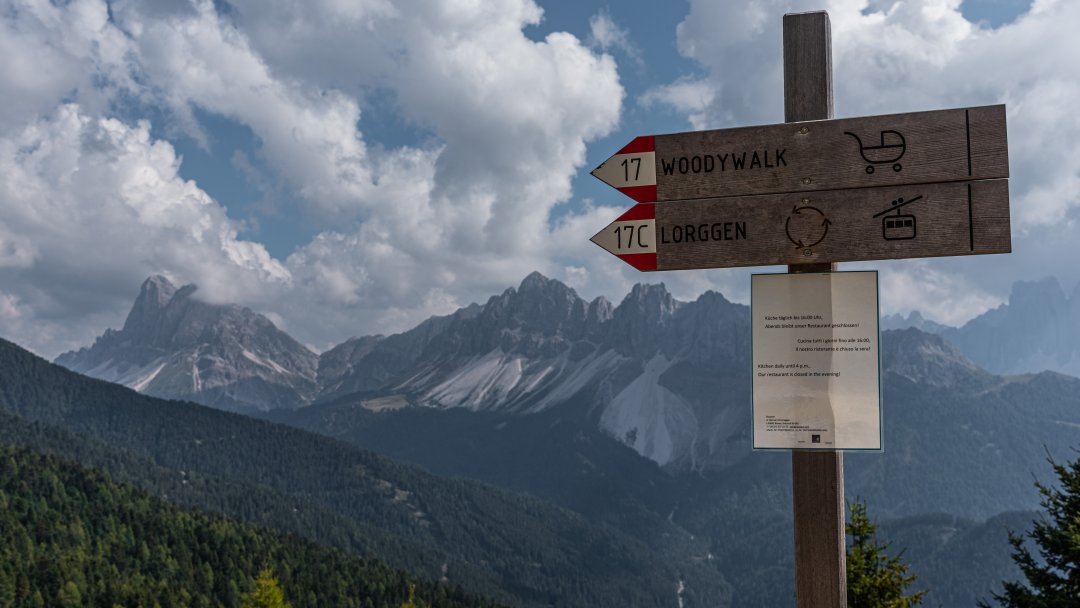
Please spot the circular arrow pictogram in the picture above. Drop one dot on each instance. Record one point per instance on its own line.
(809, 230)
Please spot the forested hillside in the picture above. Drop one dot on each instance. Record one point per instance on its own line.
(506, 546)
(70, 536)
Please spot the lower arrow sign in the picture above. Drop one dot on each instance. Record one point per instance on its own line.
(928, 220)
(632, 237)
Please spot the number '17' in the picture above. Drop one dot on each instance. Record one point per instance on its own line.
(636, 161)
(628, 230)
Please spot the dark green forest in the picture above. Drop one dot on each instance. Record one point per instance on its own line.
(628, 537)
(72, 537)
(502, 545)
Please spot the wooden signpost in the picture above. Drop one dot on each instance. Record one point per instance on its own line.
(809, 193)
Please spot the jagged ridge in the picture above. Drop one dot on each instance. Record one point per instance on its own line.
(174, 346)
(668, 378)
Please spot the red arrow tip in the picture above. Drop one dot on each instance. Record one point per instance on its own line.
(641, 194)
(645, 143)
(641, 261)
(638, 212)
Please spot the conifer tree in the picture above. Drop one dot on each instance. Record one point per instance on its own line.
(266, 594)
(874, 578)
(411, 602)
(1053, 579)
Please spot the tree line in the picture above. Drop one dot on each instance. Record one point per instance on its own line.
(1048, 556)
(71, 537)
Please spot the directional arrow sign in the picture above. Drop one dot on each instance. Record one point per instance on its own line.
(916, 148)
(632, 237)
(894, 222)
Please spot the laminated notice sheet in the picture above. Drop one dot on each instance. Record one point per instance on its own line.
(817, 380)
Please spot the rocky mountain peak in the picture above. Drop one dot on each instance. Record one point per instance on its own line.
(157, 289)
(177, 347)
(649, 302)
(711, 330)
(535, 282)
(540, 305)
(927, 359)
(668, 378)
(715, 299)
(600, 311)
(154, 296)
(1036, 330)
(537, 285)
(639, 323)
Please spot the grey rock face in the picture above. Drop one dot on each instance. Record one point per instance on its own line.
(177, 347)
(664, 377)
(1037, 330)
(669, 379)
(929, 360)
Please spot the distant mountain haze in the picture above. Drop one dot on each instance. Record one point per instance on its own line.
(914, 319)
(1038, 329)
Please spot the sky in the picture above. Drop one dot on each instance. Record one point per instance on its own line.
(352, 167)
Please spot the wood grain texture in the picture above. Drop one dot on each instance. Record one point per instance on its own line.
(808, 90)
(918, 148)
(948, 219)
(817, 478)
(817, 484)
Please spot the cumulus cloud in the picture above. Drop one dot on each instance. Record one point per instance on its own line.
(52, 52)
(606, 35)
(197, 59)
(693, 98)
(91, 206)
(92, 199)
(946, 297)
(410, 231)
(452, 220)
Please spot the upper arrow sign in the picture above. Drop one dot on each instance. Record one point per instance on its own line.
(897, 149)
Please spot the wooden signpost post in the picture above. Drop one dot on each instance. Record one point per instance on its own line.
(817, 478)
(809, 193)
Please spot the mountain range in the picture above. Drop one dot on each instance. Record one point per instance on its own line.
(696, 538)
(524, 351)
(665, 377)
(669, 379)
(636, 416)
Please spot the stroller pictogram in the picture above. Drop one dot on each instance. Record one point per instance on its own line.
(890, 151)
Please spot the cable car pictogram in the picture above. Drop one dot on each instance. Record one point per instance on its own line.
(892, 148)
(899, 227)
